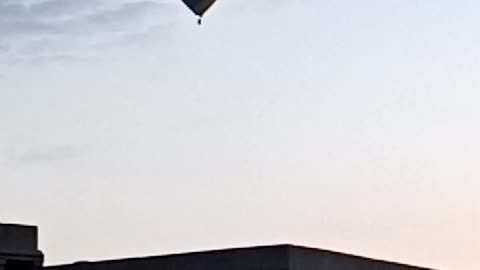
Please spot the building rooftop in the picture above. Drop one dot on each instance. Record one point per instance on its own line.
(18, 251)
(276, 257)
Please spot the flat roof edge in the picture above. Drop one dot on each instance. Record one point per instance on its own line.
(283, 246)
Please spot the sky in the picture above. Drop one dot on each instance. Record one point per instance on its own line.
(127, 130)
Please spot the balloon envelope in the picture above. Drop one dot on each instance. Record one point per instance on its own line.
(199, 7)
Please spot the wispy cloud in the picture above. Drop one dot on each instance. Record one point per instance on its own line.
(35, 155)
(60, 28)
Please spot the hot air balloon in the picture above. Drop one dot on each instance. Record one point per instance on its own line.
(199, 7)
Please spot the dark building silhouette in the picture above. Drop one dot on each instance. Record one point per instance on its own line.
(277, 257)
(19, 248)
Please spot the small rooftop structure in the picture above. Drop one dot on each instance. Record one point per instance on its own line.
(19, 247)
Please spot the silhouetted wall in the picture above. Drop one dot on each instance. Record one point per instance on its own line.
(267, 258)
(281, 257)
(18, 251)
(316, 259)
(18, 248)
(18, 237)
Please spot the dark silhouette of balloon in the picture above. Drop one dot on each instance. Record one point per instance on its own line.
(199, 7)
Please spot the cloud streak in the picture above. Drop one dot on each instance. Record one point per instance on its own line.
(37, 155)
(70, 27)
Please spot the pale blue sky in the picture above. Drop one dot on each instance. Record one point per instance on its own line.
(127, 130)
